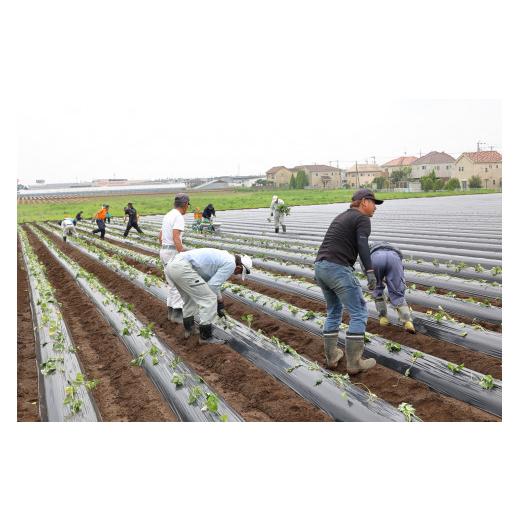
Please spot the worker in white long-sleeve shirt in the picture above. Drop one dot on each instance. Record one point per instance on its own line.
(170, 238)
(198, 275)
(279, 217)
(67, 227)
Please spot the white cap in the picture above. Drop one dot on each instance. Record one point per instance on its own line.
(247, 262)
(275, 197)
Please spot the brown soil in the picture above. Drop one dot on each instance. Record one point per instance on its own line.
(125, 393)
(442, 349)
(252, 393)
(385, 383)
(27, 366)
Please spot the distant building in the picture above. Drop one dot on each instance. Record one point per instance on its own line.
(441, 162)
(486, 165)
(110, 182)
(363, 175)
(397, 164)
(279, 176)
(321, 175)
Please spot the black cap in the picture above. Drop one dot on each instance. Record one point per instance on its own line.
(181, 199)
(365, 193)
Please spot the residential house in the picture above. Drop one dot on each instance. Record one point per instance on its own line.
(441, 162)
(486, 165)
(321, 175)
(363, 175)
(397, 164)
(280, 176)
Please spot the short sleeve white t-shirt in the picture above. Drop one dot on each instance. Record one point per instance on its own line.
(172, 220)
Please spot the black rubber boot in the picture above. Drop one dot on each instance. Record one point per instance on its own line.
(206, 335)
(276, 230)
(64, 239)
(189, 327)
(284, 229)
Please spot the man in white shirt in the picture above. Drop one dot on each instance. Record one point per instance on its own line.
(198, 275)
(170, 238)
(67, 226)
(279, 217)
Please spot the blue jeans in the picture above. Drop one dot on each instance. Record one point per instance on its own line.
(341, 289)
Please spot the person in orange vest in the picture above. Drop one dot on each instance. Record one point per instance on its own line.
(100, 217)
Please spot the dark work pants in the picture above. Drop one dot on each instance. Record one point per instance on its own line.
(101, 227)
(131, 225)
(388, 267)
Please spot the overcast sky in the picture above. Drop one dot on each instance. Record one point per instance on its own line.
(140, 95)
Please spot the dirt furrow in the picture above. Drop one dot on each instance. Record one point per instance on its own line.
(27, 367)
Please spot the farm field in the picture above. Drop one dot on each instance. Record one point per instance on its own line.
(104, 350)
(50, 207)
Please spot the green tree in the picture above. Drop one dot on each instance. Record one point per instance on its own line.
(475, 182)
(438, 184)
(452, 184)
(427, 183)
(402, 174)
(301, 179)
(292, 183)
(381, 182)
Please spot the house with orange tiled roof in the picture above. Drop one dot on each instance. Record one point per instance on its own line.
(484, 164)
(441, 162)
(280, 176)
(397, 164)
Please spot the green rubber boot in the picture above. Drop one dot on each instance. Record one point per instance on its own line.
(332, 353)
(354, 346)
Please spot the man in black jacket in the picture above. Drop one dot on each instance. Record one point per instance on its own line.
(346, 238)
(131, 214)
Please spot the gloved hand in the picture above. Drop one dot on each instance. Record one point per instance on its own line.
(220, 309)
(371, 279)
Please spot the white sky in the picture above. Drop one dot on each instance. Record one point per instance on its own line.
(197, 92)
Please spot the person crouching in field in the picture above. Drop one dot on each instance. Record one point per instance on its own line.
(67, 227)
(387, 262)
(198, 275)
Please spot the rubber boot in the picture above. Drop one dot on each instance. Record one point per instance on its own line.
(64, 239)
(189, 327)
(354, 346)
(332, 353)
(276, 230)
(206, 335)
(382, 311)
(175, 315)
(284, 229)
(406, 317)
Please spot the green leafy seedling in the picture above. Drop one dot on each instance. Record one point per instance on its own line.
(455, 368)
(487, 382)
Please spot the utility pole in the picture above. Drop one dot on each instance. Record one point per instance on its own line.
(373, 157)
(357, 176)
(478, 145)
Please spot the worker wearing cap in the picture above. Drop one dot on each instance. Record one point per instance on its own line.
(133, 219)
(100, 217)
(387, 262)
(279, 218)
(198, 274)
(170, 238)
(67, 226)
(346, 238)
